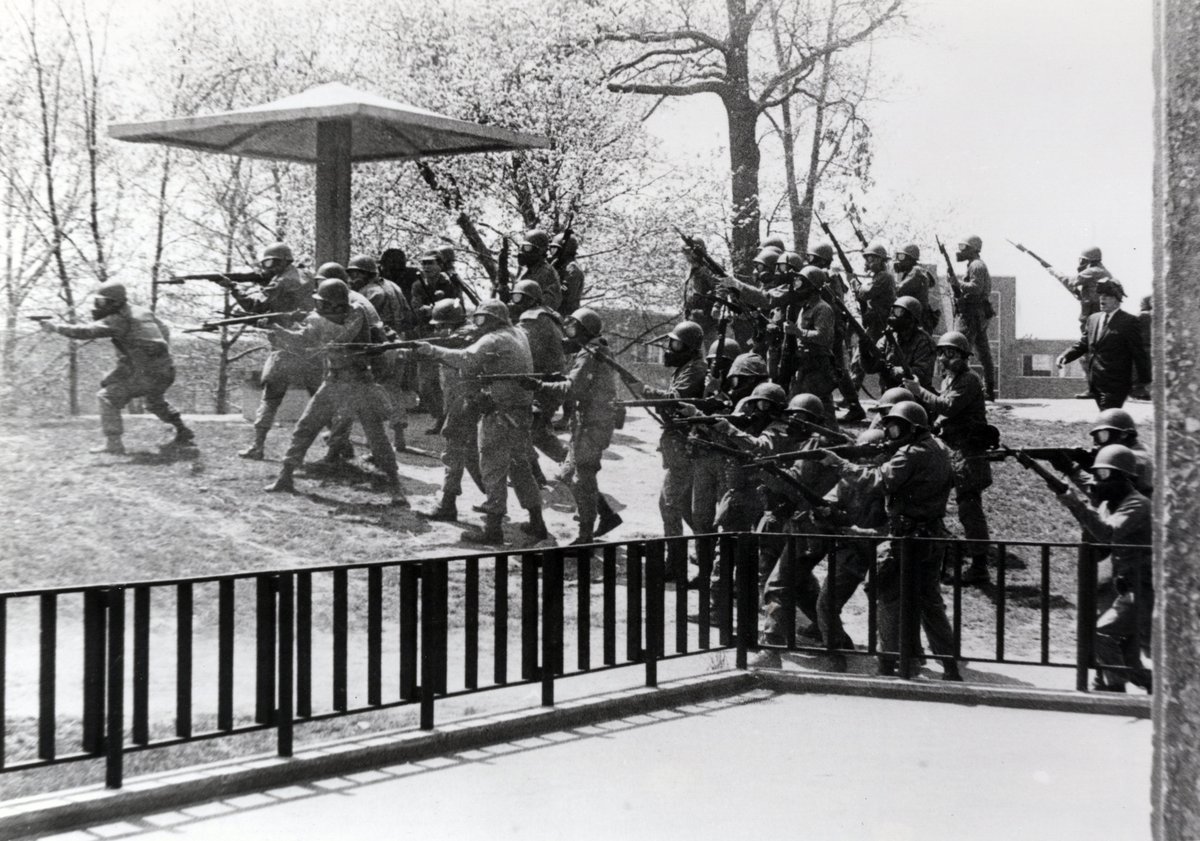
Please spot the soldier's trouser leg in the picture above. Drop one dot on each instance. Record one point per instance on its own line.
(854, 559)
(928, 599)
(675, 497)
(503, 452)
(157, 403)
(587, 448)
(430, 388)
(543, 438)
(320, 410)
(974, 521)
(841, 373)
(111, 399)
(708, 477)
(369, 404)
(804, 594)
(974, 327)
(1117, 645)
(1141, 579)
(740, 509)
(339, 432)
(272, 395)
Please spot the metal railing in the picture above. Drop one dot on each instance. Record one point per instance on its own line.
(419, 630)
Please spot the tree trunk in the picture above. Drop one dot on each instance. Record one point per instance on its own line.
(804, 217)
(744, 160)
(160, 224)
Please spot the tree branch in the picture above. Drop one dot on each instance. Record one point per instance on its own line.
(665, 38)
(719, 88)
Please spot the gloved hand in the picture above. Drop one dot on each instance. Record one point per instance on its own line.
(687, 410)
(424, 350)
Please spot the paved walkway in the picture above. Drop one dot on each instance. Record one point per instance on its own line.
(757, 765)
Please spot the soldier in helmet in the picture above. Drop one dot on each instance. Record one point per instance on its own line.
(688, 374)
(541, 327)
(592, 384)
(1117, 362)
(393, 266)
(532, 258)
(875, 299)
(719, 360)
(461, 427)
(144, 365)
(975, 307)
(916, 481)
(821, 256)
(282, 289)
(507, 412)
(739, 508)
(912, 280)
(398, 319)
(963, 427)
(432, 287)
(885, 403)
(1122, 518)
(813, 328)
(1089, 272)
(911, 346)
(700, 282)
(564, 249)
(340, 322)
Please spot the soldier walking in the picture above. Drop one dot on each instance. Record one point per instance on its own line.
(975, 307)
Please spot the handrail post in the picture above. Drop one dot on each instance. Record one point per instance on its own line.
(909, 612)
(655, 573)
(1085, 615)
(747, 597)
(114, 742)
(286, 669)
(429, 643)
(552, 634)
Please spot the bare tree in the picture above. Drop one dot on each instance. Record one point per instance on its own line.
(694, 56)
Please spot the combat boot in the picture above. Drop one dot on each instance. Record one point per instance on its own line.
(400, 445)
(492, 533)
(536, 527)
(255, 451)
(284, 483)
(113, 446)
(609, 519)
(854, 414)
(446, 512)
(977, 573)
(184, 437)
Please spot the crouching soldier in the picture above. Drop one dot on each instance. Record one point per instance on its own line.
(349, 385)
(144, 365)
(592, 384)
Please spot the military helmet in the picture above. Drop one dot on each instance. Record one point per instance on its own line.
(539, 239)
(688, 333)
(1116, 457)
(329, 270)
(731, 350)
(792, 262)
(814, 276)
(1115, 419)
(1111, 286)
(748, 365)
(910, 250)
(494, 308)
(770, 391)
(530, 289)
(911, 413)
(700, 244)
(447, 312)
(775, 241)
(565, 244)
(873, 435)
(956, 340)
(768, 257)
(588, 319)
(910, 305)
(891, 397)
(972, 241)
(823, 250)
(276, 251)
(112, 291)
(430, 257)
(363, 263)
(810, 404)
(446, 255)
(1092, 255)
(876, 249)
(333, 291)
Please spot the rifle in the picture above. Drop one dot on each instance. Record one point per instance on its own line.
(871, 357)
(247, 320)
(734, 419)
(454, 341)
(857, 233)
(628, 377)
(502, 288)
(704, 404)
(220, 278)
(846, 451)
(537, 375)
(810, 426)
(810, 496)
(950, 274)
(1045, 264)
(851, 275)
(1077, 456)
(40, 317)
(736, 307)
(894, 341)
(1027, 461)
(700, 254)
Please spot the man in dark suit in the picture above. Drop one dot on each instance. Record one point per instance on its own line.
(1112, 342)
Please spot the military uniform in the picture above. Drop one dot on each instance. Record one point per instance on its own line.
(816, 371)
(285, 367)
(917, 283)
(1084, 287)
(544, 334)
(544, 275)
(572, 286)
(398, 319)
(875, 301)
(144, 366)
(425, 293)
(675, 498)
(974, 313)
(592, 384)
(916, 348)
(461, 433)
(700, 282)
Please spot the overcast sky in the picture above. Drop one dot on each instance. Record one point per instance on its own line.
(1031, 118)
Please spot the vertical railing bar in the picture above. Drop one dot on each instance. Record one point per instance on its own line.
(549, 630)
(1045, 604)
(265, 642)
(287, 638)
(791, 563)
(225, 648)
(141, 665)
(114, 740)
(704, 557)
(583, 609)
(93, 672)
(831, 605)
(1085, 615)
(304, 645)
(1001, 598)
(471, 625)
(678, 568)
(410, 575)
(374, 636)
(633, 608)
(728, 549)
(956, 576)
(610, 605)
(747, 597)
(529, 617)
(429, 646)
(901, 548)
(872, 589)
(500, 623)
(4, 679)
(184, 608)
(340, 588)
(48, 650)
(655, 612)
(443, 626)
